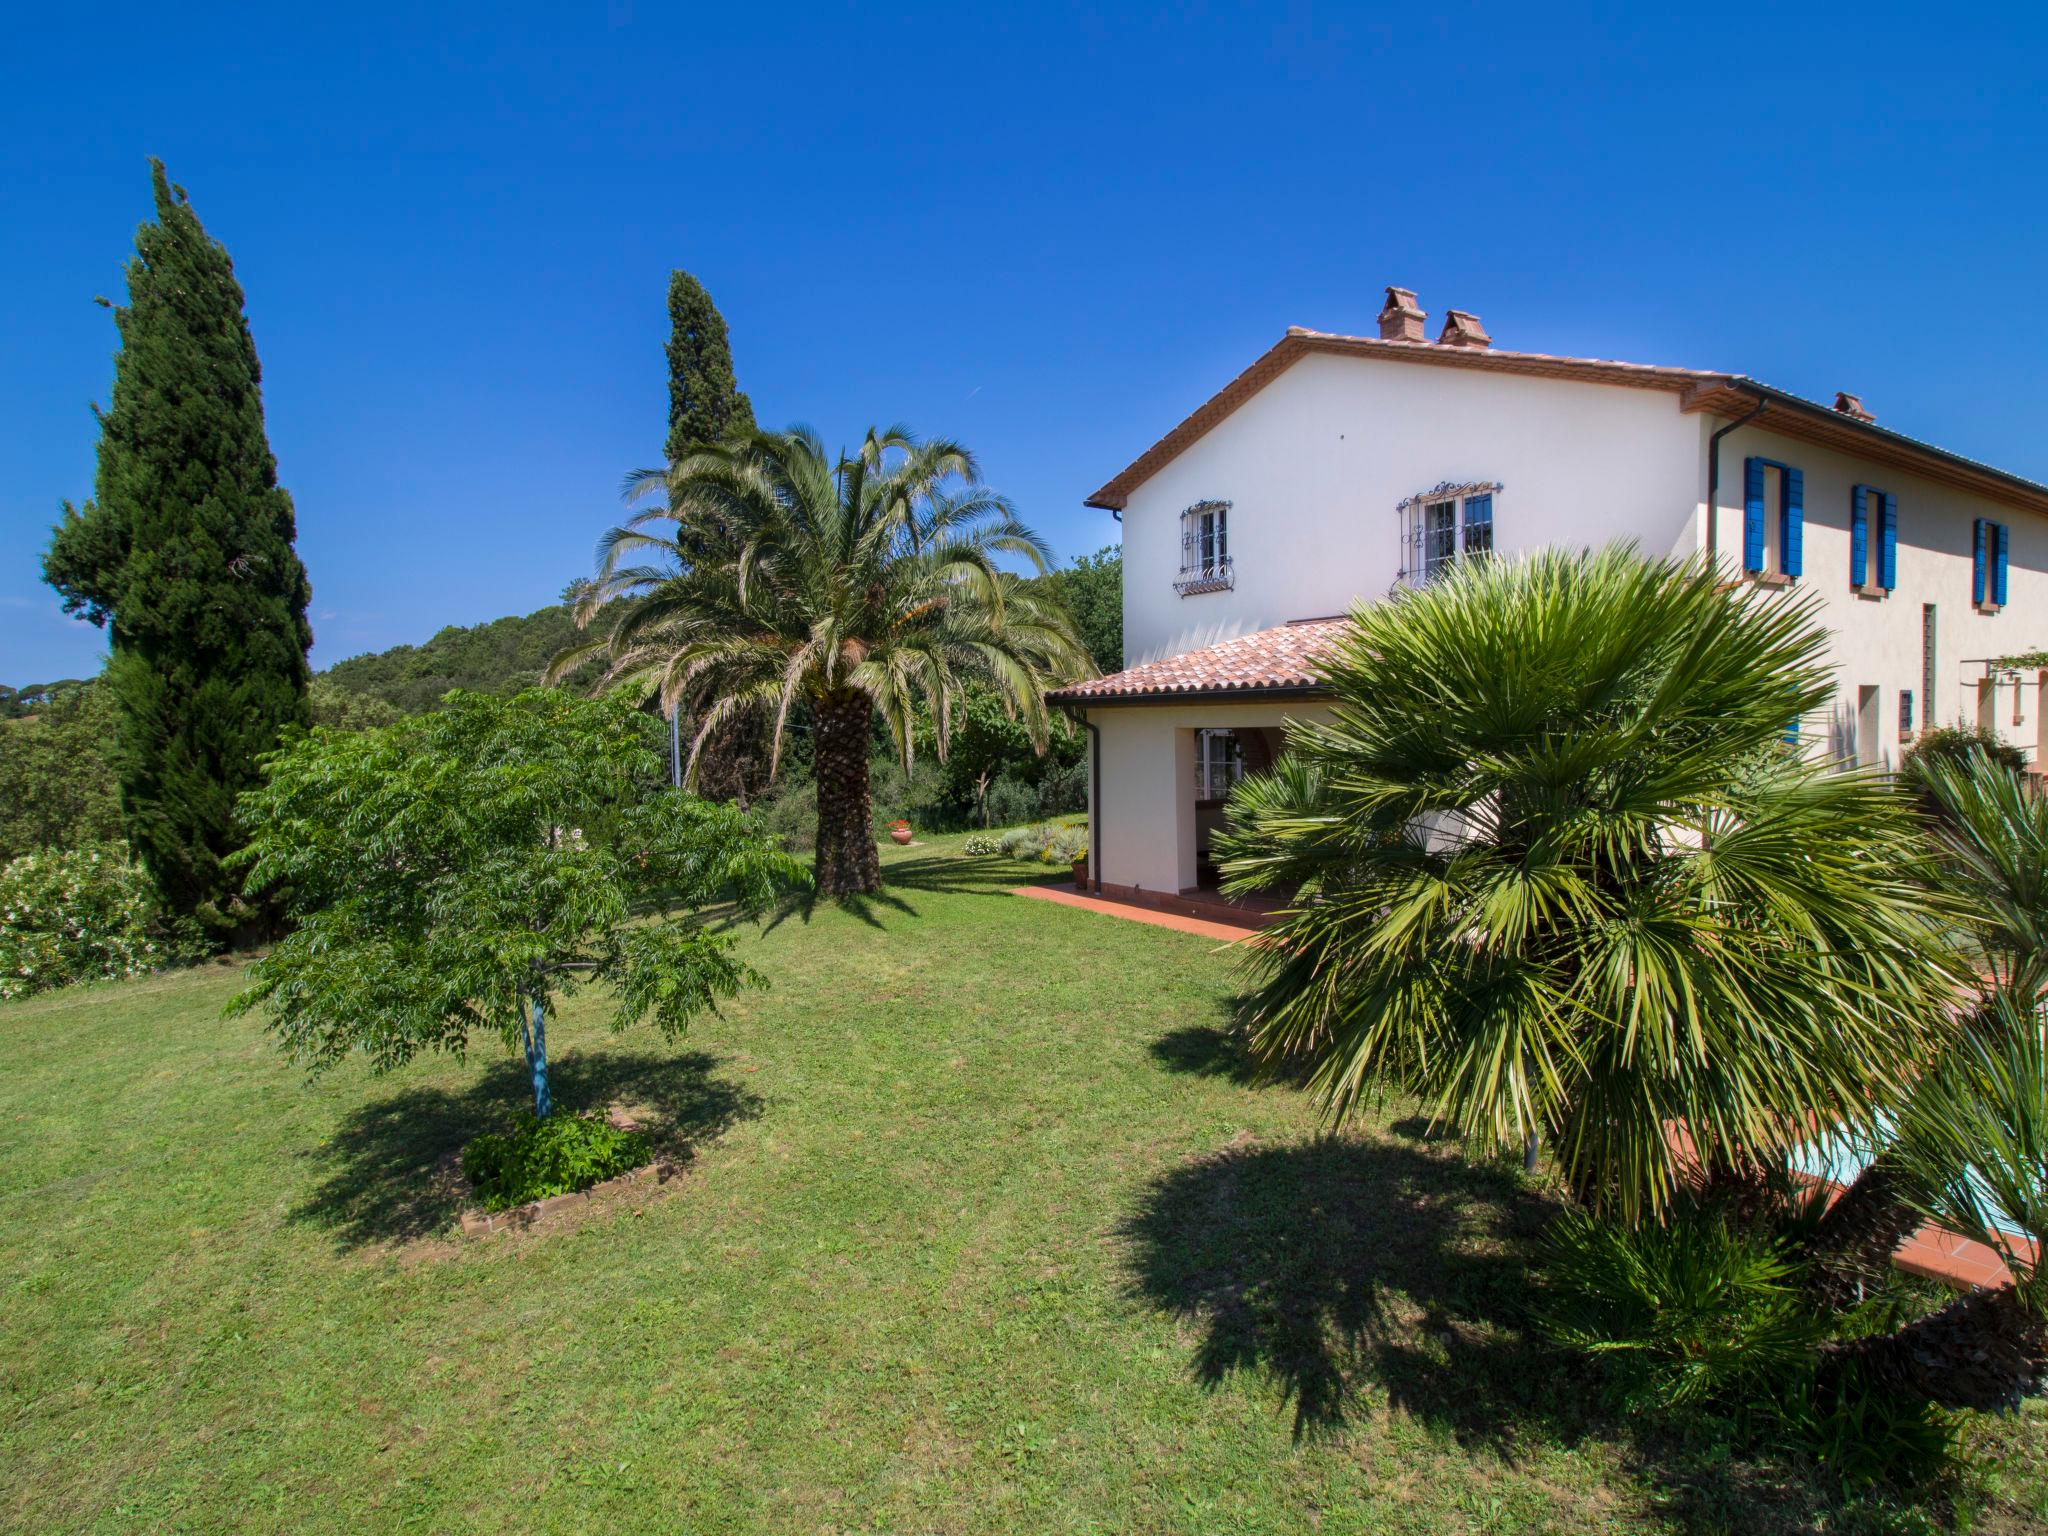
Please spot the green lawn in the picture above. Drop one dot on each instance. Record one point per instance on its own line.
(982, 1230)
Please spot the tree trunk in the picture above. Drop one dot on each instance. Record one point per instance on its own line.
(847, 862)
(1982, 1351)
(537, 1061)
(1854, 1243)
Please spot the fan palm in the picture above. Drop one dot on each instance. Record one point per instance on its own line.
(1973, 1143)
(853, 588)
(1990, 835)
(1557, 871)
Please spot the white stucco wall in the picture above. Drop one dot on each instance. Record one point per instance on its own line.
(1315, 464)
(1147, 817)
(1876, 642)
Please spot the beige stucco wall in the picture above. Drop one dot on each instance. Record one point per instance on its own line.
(1146, 822)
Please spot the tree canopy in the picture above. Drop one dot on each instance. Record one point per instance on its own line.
(464, 869)
(859, 587)
(705, 405)
(185, 554)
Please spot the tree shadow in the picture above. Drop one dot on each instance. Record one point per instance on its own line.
(1208, 1050)
(933, 874)
(959, 875)
(1339, 1267)
(385, 1175)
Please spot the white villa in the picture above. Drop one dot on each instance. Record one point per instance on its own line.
(1337, 468)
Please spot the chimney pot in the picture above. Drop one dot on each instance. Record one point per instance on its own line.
(1852, 406)
(1401, 319)
(1462, 329)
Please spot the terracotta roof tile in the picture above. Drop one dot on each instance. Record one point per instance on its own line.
(1281, 658)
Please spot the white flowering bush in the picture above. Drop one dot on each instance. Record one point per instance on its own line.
(82, 914)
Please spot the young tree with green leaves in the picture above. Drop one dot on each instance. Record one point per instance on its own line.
(857, 586)
(1554, 871)
(185, 555)
(705, 405)
(463, 870)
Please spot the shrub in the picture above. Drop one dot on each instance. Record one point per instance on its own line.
(791, 813)
(538, 1158)
(1063, 790)
(1690, 1311)
(83, 914)
(1866, 1435)
(982, 845)
(1954, 744)
(1010, 800)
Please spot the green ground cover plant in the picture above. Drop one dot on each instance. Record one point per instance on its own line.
(538, 1158)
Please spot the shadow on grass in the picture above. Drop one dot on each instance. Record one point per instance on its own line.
(1341, 1268)
(384, 1179)
(1347, 1272)
(1209, 1050)
(933, 874)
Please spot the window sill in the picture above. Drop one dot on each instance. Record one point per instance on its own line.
(1988, 609)
(1871, 594)
(1768, 579)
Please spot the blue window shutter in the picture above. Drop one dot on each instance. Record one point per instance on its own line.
(1888, 544)
(1977, 564)
(1998, 570)
(1752, 514)
(1792, 524)
(1859, 535)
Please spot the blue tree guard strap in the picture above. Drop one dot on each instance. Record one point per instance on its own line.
(537, 1059)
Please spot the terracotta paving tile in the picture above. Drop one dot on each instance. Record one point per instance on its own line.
(1208, 928)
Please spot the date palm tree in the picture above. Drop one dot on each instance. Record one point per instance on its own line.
(859, 587)
(1556, 870)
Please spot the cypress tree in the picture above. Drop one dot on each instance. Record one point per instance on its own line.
(185, 555)
(704, 399)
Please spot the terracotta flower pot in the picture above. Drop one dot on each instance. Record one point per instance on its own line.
(900, 834)
(1081, 873)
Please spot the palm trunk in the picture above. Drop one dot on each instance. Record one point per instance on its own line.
(847, 862)
(1984, 1351)
(1854, 1243)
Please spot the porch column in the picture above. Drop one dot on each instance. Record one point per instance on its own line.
(1184, 758)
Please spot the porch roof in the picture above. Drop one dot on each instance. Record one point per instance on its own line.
(1278, 660)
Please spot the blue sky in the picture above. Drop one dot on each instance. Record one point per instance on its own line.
(1047, 231)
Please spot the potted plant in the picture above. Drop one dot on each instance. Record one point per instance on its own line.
(1081, 871)
(899, 832)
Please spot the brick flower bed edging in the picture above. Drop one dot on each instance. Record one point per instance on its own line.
(477, 1222)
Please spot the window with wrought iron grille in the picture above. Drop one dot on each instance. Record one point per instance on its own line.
(1219, 763)
(1443, 526)
(1205, 564)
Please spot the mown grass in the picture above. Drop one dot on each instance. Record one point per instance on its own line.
(982, 1230)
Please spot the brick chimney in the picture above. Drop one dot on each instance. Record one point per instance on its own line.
(1463, 330)
(1852, 405)
(1401, 319)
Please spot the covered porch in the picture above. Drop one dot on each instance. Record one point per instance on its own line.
(1167, 740)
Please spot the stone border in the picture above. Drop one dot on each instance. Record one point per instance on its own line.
(478, 1222)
